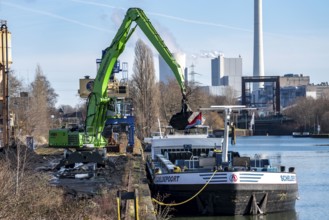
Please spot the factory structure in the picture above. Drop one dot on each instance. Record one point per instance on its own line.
(261, 90)
(226, 72)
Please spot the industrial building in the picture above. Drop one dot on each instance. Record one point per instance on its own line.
(318, 91)
(289, 94)
(166, 74)
(227, 72)
(291, 79)
(292, 87)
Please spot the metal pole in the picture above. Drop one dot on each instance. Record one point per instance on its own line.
(227, 113)
(6, 96)
(4, 62)
(2, 70)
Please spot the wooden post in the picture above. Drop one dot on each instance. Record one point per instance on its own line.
(119, 204)
(128, 196)
(136, 202)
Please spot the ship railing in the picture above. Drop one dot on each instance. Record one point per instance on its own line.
(192, 160)
(259, 162)
(264, 169)
(165, 164)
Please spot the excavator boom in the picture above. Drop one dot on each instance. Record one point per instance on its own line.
(98, 100)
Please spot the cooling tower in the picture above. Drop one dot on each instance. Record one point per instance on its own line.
(258, 44)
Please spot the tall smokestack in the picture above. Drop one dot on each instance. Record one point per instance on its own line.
(258, 43)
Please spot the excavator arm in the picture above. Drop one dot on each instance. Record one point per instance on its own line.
(90, 144)
(98, 99)
(118, 44)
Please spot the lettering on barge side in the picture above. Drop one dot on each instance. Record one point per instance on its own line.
(166, 179)
(288, 178)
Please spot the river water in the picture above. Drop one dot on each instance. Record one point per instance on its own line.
(309, 156)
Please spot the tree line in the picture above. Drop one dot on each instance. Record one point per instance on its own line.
(309, 114)
(30, 106)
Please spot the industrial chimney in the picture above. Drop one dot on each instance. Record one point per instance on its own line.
(258, 44)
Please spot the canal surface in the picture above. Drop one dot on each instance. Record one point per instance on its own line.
(309, 156)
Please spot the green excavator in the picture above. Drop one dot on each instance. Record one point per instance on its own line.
(90, 142)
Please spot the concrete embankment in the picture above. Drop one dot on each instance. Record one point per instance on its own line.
(243, 132)
(137, 180)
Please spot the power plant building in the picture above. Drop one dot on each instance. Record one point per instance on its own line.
(291, 79)
(165, 73)
(227, 72)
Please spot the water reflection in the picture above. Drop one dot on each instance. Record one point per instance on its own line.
(292, 215)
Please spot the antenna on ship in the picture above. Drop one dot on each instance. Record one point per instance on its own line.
(227, 110)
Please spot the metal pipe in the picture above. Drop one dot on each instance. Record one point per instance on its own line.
(258, 43)
(227, 116)
(4, 70)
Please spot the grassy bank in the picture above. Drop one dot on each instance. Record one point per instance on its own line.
(26, 194)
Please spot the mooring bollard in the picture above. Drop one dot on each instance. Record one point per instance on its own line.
(128, 196)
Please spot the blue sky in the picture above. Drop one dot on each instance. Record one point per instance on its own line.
(66, 36)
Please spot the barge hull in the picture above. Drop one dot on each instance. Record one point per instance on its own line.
(230, 199)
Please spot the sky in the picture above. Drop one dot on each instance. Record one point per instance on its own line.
(65, 37)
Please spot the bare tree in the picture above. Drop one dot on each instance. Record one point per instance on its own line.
(218, 100)
(42, 100)
(197, 97)
(302, 112)
(17, 103)
(308, 113)
(214, 120)
(144, 90)
(15, 85)
(170, 101)
(230, 95)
